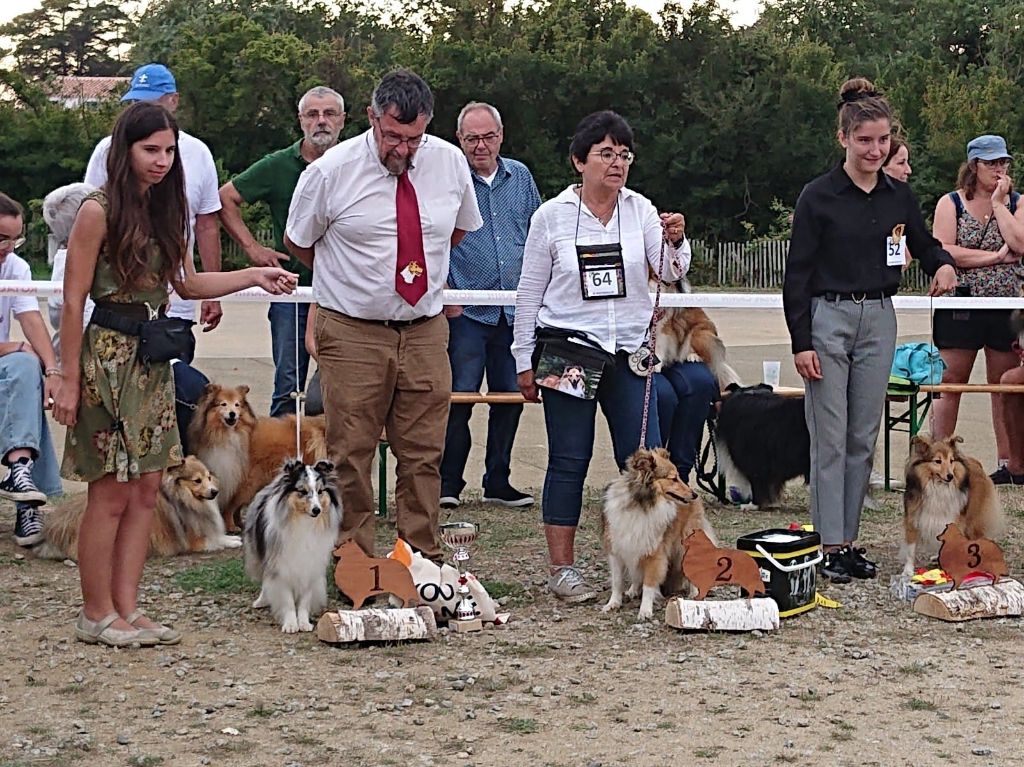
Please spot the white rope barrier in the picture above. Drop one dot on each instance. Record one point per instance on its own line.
(44, 288)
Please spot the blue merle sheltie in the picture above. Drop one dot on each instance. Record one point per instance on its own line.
(290, 532)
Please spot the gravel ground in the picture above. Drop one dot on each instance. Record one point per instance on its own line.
(869, 683)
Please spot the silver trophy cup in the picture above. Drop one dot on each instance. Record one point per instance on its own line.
(458, 536)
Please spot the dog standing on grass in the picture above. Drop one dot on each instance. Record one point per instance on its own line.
(648, 512)
(945, 486)
(289, 535)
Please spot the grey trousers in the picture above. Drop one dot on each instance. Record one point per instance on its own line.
(855, 344)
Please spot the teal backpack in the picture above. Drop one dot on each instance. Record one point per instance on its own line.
(919, 363)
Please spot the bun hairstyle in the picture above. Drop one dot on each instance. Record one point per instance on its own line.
(859, 102)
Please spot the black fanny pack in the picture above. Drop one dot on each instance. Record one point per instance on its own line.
(570, 362)
(160, 340)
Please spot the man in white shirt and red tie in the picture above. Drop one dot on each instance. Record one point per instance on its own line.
(375, 218)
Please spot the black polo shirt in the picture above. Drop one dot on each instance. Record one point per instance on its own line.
(838, 244)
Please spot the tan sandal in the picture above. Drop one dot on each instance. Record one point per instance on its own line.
(100, 632)
(157, 635)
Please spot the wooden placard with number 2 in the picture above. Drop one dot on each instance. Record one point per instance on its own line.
(706, 566)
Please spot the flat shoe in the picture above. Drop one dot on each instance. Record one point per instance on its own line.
(159, 634)
(100, 632)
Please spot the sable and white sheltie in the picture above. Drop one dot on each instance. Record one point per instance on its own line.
(648, 511)
(186, 520)
(944, 486)
(762, 442)
(689, 335)
(243, 451)
(290, 532)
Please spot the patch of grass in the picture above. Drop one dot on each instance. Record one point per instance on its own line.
(236, 746)
(31, 681)
(711, 752)
(260, 710)
(526, 650)
(72, 689)
(302, 739)
(917, 704)
(809, 696)
(665, 726)
(222, 577)
(145, 761)
(917, 668)
(499, 589)
(721, 708)
(520, 726)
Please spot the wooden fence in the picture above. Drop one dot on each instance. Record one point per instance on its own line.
(761, 265)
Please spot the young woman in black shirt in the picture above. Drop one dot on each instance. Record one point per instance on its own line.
(852, 229)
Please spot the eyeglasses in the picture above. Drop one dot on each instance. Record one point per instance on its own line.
(13, 243)
(608, 156)
(1002, 162)
(393, 139)
(487, 138)
(328, 114)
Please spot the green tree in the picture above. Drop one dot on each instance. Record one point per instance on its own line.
(68, 37)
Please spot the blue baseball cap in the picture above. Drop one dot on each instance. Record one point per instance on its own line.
(987, 148)
(150, 82)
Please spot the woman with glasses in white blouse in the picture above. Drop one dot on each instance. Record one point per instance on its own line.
(582, 309)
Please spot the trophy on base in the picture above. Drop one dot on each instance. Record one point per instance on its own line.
(458, 536)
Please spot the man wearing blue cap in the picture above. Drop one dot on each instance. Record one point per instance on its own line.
(154, 82)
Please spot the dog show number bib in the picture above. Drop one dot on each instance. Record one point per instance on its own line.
(896, 247)
(602, 271)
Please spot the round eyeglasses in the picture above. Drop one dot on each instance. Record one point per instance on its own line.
(608, 156)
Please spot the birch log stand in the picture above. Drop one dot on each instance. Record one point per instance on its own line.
(360, 577)
(962, 558)
(707, 566)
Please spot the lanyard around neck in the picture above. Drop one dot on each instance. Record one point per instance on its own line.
(616, 210)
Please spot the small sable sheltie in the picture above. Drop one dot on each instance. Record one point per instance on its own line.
(186, 520)
(762, 442)
(290, 532)
(944, 486)
(648, 511)
(689, 335)
(243, 451)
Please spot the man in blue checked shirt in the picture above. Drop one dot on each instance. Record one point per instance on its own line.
(491, 258)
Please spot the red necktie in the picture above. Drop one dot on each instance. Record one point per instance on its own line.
(411, 268)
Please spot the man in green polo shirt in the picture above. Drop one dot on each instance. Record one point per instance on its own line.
(272, 180)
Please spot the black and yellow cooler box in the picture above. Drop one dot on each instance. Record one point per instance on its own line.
(787, 560)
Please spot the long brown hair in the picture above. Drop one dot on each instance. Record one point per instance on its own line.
(859, 102)
(137, 220)
(967, 178)
(895, 145)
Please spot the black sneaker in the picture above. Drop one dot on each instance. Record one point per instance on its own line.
(28, 529)
(860, 566)
(1001, 476)
(836, 566)
(450, 501)
(18, 485)
(508, 496)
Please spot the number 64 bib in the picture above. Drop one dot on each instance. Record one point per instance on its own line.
(602, 273)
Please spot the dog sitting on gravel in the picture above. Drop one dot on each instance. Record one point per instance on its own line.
(186, 520)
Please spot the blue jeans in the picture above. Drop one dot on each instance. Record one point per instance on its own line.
(473, 349)
(685, 393)
(570, 427)
(287, 378)
(23, 420)
(189, 385)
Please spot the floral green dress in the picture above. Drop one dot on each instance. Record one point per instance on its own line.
(126, 423)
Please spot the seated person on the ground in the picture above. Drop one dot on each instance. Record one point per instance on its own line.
(28, 378)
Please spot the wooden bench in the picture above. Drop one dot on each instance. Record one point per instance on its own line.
(919, 399)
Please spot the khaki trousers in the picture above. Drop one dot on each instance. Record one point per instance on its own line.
(376, 377)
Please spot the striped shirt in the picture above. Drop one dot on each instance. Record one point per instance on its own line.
(491, 258)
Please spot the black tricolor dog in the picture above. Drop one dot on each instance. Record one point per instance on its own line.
(762, 442)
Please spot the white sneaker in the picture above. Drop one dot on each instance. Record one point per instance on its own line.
(569, 585)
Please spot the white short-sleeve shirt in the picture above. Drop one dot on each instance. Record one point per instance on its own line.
(14, 267)
(201, 190)
(344, 208)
